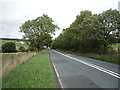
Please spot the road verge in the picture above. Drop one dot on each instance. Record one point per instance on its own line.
(34, 73)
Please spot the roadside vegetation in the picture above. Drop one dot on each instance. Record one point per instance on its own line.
(18, 45)
(12, 60)
(37, 72)
(18, 70)
(115, 46)
(90, 35)
(38, 32)
(112, 58)
(93, 35)
(5, 41)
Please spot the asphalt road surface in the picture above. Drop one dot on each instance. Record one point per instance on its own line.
(79, 72)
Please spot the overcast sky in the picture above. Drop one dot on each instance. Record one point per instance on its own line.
(63, 12)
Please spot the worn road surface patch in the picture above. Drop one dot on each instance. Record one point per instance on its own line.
(79, 82)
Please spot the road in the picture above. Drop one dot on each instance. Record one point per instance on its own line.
(79, 72)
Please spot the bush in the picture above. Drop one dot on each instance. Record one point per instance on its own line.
(27, 50)
(21, 49)
(8, 47)
(33, 48)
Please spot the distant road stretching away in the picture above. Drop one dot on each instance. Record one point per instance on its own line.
(79, 72)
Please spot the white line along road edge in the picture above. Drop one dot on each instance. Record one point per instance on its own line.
(92, 65)
(57, 75)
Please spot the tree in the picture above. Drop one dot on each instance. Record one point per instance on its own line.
(21, 49)
(9, 47)
(111, 21)
(38, 31)
(90, 33)
(69, 40)
(80, 18)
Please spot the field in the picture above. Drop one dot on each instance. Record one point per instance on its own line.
(17, 45)
(5, 41)
(37, 72)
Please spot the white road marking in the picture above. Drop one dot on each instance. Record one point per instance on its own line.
(92, 65)
(57, 75)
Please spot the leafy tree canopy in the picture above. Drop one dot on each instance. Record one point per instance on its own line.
(90, 32)
(38, 31)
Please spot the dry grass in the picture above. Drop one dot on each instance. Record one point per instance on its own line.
(11, 60)
(37, 72)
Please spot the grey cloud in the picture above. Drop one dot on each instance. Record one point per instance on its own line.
(16, 12)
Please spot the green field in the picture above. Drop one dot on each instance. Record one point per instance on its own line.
(5, 41)
(37, 72)
(17, 45)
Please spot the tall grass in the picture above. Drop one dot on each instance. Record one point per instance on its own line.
(11, 60)
(35, 73)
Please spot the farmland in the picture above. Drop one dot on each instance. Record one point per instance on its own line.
(83, 54)
(17, 44)
(17, 67)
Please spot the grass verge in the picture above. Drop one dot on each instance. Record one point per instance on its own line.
(34, 73)
(94, 56)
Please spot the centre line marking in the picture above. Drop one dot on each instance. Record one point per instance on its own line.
(92, 65)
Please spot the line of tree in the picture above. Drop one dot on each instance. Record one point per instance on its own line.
(9, 39)
(90, 32)
(38, 32)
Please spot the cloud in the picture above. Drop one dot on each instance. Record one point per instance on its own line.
(63, 12)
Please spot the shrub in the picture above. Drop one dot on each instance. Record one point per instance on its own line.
(21, 49)
(27, 50)
(33, 48)
(8, 47)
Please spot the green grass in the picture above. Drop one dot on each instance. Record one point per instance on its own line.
(106, 58)
(24, 45)
(17, 45)
(116, 46)
(5, 41)
(37, 72)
